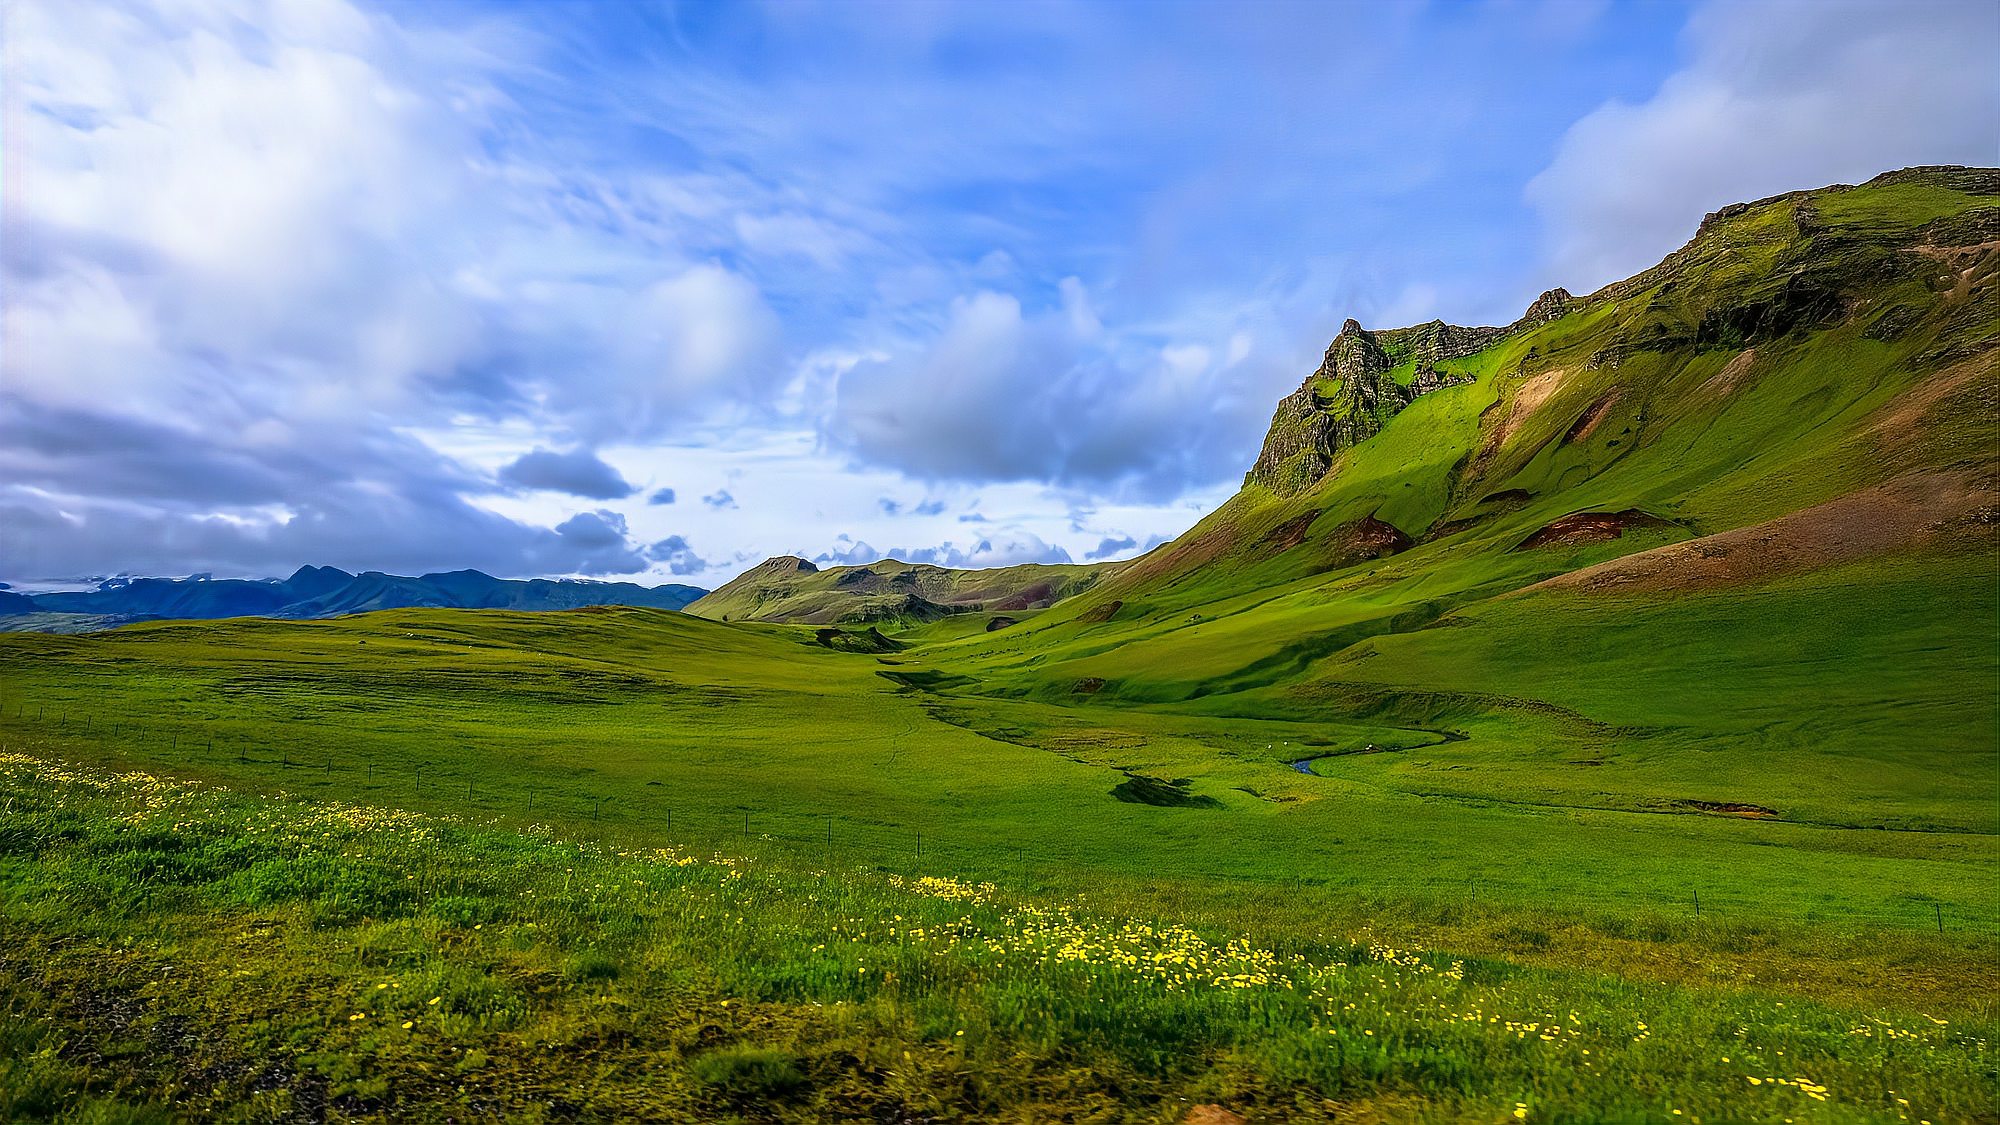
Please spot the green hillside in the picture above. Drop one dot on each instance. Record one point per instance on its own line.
(891, 592)
(1722, 533)
(1640, 658)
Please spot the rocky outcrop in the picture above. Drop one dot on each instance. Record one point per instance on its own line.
(1356, 389)
(1550, 306)
(1344, 402)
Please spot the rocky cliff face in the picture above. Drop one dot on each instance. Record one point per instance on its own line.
(1356, 390)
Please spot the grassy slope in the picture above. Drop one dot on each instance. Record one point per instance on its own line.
(881, 590)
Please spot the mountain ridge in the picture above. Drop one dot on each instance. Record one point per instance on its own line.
(321, 592)
(792, 590)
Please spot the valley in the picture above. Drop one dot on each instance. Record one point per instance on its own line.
(1637, 657)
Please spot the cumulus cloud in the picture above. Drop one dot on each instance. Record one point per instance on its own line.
(1003, 393)
(719, 499)
(578, 473)
(255, 246)
(677, 555)
(1109, 546)
(1774, 95)
(661, 496)
(848, 551)
(1012, 548)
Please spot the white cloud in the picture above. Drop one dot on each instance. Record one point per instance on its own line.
(1008, 548)
(1774, 95)
(1002, 393)
(268, 237)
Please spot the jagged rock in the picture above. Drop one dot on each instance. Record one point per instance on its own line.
(1550, 306)
(1351, 396)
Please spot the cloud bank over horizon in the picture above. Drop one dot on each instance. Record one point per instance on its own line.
(417, 287)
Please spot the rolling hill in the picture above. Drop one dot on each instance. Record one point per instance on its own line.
(794, 591)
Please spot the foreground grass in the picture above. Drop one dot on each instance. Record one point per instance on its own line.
(257, 958)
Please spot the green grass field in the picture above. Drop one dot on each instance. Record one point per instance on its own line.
(268, 958)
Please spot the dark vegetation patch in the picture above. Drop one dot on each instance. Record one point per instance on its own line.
(1089, 685)
(1592, 416)
(1139, 789)
(748, 1075)
(1037, 596)
(1803, 301)
(1488, 508)
(1728, 808)
(895, 607)
(868, 640)
(999, 623)
(925, 679)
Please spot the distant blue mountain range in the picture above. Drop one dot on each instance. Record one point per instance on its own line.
(324, 591)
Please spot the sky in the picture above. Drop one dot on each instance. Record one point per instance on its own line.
(656, 291)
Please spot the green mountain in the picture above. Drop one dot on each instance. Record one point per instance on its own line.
(315, 591)
(794, 591)
(1726, 527)
(1817, 366)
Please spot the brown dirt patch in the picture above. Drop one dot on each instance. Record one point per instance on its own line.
(1366, 538)
(1529, 398)
(1039, 595)
(1593, 416)
(1290, 533)
(1913, 511)
(1732, 373)
(1589, 527)
(1089, 685)
(1099, 614)
(1970, 267)
(1179, 559)
(998, 624)
(1212, 1114)
(1902, 421)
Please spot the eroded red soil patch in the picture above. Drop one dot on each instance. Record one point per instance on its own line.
(1098, 614)
(1589, 527)
(1913, 511)
(1290, 533)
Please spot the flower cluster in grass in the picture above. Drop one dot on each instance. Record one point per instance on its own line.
(941, 963)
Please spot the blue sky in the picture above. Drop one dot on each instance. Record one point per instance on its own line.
(659, 290)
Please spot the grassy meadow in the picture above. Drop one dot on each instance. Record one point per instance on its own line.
(273, 958)
(656, 867)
